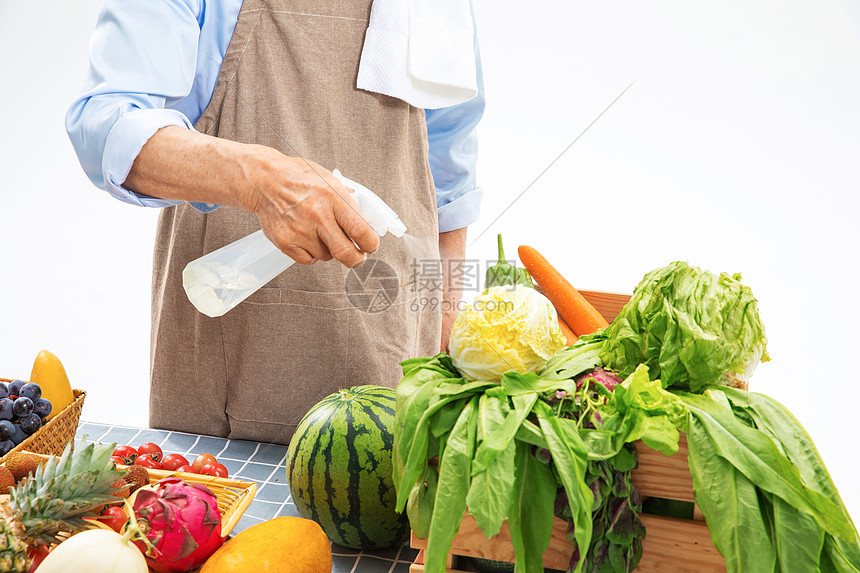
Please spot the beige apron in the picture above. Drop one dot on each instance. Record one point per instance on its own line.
(288, 81)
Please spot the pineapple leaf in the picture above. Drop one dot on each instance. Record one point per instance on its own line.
(80, 462)
(65, 489)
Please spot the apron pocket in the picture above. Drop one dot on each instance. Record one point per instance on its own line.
(284, 351)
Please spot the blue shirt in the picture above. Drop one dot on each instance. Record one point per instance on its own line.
(154, 63)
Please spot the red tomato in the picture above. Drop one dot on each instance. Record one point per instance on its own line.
(146, 461)
(114, 517)
(202, 460)
(118, 460)
(173, 461)
(214, 469)
(186, 468)
(152, 449)
(127, 453)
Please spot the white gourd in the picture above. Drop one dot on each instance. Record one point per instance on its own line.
(95, 551)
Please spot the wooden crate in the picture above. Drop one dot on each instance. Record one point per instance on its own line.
(670, 545)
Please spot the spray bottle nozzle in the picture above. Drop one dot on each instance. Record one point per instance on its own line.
(374, 210)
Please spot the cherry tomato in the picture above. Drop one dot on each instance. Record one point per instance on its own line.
(186, 468)
(127, 453)
(114, 517)
(173, 461)
(152, 449)
(146, 461)
(118, 460)
(214, 469)
(202, 460)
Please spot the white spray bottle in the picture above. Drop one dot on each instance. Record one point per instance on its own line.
(217, 282)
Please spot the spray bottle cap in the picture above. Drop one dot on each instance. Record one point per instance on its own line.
(375, 211)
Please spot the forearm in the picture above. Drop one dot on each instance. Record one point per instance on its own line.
(177, 163)
(452, 250)
(302, 207)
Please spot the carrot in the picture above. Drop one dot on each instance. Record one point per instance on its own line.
(571, 306)
(569, 336)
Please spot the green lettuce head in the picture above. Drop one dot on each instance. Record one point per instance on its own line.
(690, 327)
(505, 328)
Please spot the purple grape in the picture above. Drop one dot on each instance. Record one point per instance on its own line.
(22, 407)
(6, 409)
(31, 424)
(42, 407)
(7, 429)
(4, 390)
(15, 387)
(19, 435)
(30, 390)
(6, 447)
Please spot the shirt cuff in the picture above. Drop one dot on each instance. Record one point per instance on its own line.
(124, 142)
(460, 212)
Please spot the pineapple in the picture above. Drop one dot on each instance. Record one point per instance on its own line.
(55, 499)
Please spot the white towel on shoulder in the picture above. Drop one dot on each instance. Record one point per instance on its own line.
(420, 51)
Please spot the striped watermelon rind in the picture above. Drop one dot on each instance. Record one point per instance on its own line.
(339, 468)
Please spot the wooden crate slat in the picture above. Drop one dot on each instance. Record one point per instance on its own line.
(677, 545)
(680, 546)
(663, 476)
(418, 565)
(608, 304)
(471, 542)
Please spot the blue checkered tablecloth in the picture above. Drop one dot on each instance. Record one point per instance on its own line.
(257, 462)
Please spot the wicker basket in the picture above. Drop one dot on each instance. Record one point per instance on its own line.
(234, 496)
(53, 437)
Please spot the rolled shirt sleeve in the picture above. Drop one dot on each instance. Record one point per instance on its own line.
(452, 133)
(143, 55)
(153, 64)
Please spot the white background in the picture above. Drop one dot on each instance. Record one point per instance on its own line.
(737, 149)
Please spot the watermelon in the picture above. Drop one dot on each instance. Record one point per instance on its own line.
(339, 468)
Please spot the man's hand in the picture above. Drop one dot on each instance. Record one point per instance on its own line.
(306, 211)
(303, 208)
(452, 249)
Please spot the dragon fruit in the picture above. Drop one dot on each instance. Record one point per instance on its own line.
(181, 522)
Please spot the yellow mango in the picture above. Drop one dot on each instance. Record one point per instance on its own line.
(49, 374)
(280, 545)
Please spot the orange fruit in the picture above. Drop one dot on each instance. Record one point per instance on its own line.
(280, 545)
(49, 374)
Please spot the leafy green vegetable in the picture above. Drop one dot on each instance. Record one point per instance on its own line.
(638, 409)
(530, 518)
(500, 439)
(569, 457)
(454, 480)
(690, 327)
(797, 538)
(772, 418)
(427, 387)
(492, 489)
(421, 500)
(756, 456)
(504, 273)
(729, 502)
(768, 500)
(574, 360)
